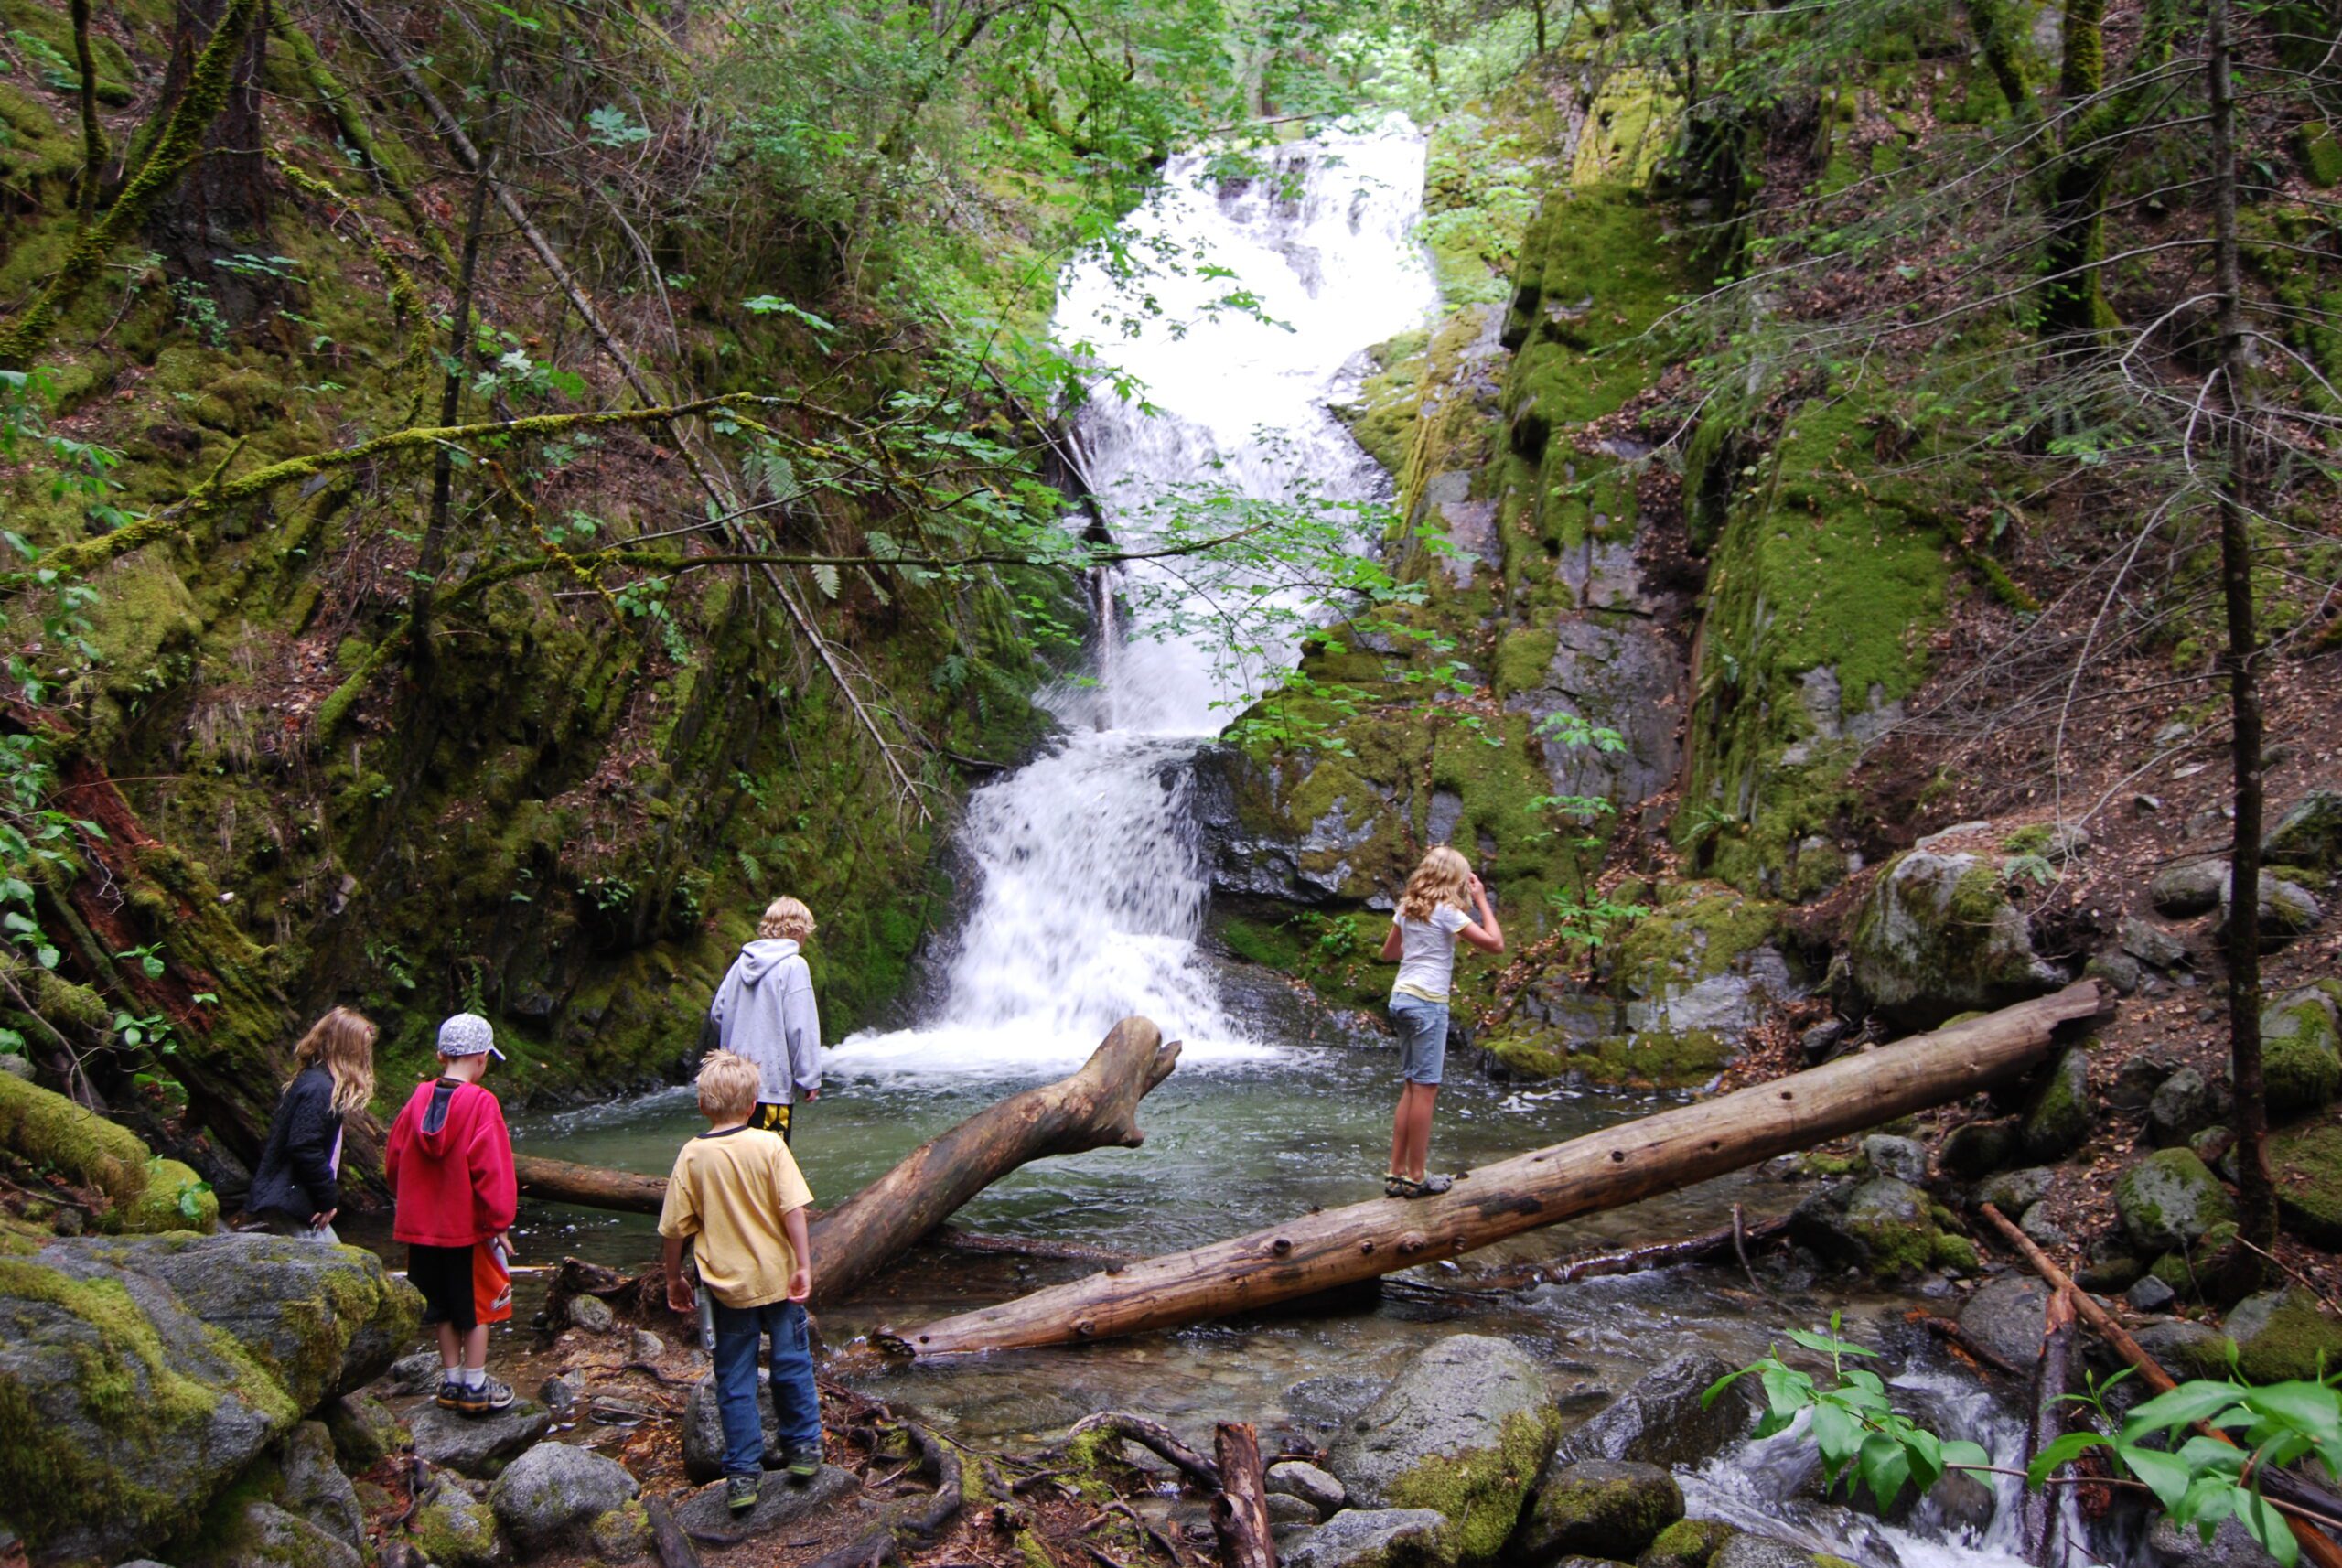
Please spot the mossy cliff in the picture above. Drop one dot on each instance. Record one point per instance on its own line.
(555, 806)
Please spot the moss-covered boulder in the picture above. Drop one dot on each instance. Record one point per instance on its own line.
(2308, 1164)
(2308, 832)
(1687, 1544)
(138, 1376)
(553, 1495)
(147, 1195)
(1938, 936)
(2060, 1117)
(2168, 1200)
(2282, 1335)
(1463, 1431)
(453, 1528)
(1596, 1507)
(1377, 1538)
(2300, 1051)
(263, 1535)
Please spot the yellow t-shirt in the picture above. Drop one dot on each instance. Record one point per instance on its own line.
(727, 1194)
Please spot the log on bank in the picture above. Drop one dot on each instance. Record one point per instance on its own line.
(1604, 1170)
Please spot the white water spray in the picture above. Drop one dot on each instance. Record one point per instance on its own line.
(1091, 883)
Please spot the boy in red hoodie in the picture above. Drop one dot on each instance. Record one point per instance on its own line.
(449, 1164)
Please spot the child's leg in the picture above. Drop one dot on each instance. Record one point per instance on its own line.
(1398, 1166)
(736, 1335)
(1415, 1107)
(795, 1399)
(451, 1348)
(474, 1346)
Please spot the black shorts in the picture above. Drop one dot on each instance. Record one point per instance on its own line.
(462, 1287)
(770, 1118)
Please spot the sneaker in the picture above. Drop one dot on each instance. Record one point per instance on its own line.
(451, 1394)
(1431, 1186)
(803, 1460)
(740, 1493)
(486, 1400)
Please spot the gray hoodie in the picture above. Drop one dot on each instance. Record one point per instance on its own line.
(764, 1011)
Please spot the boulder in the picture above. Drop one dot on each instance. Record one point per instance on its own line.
(2190, 887)
(2059, 1119)
(1884, 1225)
(263, 1535)
(2282, 1335)
(620, 1535)
(1661, 1420)
(2150, 944)
(592, 1314)
(2149, 1295)
(1463, 1430)
(1687, 1544)
(1285, 1508)
(2136, 1081)
(413, 1374)
(2005, 1316)
(704, 1433)
(560, 1393)
(2287, 911)
(2300, 1051)
(2308, 1165)
(552, 1494)
(2041, 1227)
(1379, 1537)
(2013, 1192)
(2118, 969)
(476, 1446)
(1596, 1507)
(1320, 1405)
(453, 1528)
(2183, 1348)
(1902, 1158)
(1938, 937)
(2183, 1546)
(363, 1430)
(1763, 1552)
(315, 1489)
(2308, 832)
(139, 1375)
(2183, 1105)
(1976, 1149)
(705, 1516)
(2168, 1200)
(1300, 1479)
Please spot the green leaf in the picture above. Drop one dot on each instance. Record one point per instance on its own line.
(2061, 1451)
(1885, 1467)
(2166, 1474)
(2183, 1406)
(2266, 1525)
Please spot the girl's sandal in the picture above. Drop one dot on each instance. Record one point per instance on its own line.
(1399, 1186)
(1430, 1187)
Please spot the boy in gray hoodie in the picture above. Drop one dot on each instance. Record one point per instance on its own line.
(764, 1011)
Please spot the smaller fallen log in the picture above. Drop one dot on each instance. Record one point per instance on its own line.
(1157, 1439)
(1240, 1515)
(2038, 1527)
(1338, 1247)
(560, 1181)
(675, 1549)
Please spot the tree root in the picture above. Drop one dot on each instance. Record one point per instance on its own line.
(1153, 1436)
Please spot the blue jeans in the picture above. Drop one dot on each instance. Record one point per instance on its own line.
(739, 1334)
(1423, 1037)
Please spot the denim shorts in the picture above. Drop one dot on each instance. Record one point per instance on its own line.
(1423, 1037)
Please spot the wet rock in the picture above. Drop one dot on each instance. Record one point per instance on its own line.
(476, 1446)
(2059, 1119)
(704, 1433)
(2013, 1192)
(2190, 887)
(1975, 1149)
(1463, 1429)
(1902, 1158)
(453, 1528)
(2177, 1546)
(2168, 1200)
(1299, 1479)
(1687, 1544)
(158, 1366)
(592, 1314)
(560, 1393)
(1659, 1420)
(264, 1535)
(2149, 1295)
(1938, 937)
(2308, 1164)
(1764, 1552)
(550, 1495)
(2005, 1316)
(1379, 1537)
(1596, 1507)
(2281, 1335)
(781, 1502)
(1884, 1225)
(2185, 1105)
(2301, 1064)
(1957, 1501)
(1287, 831)
(363, 1430)
(2308, 832)
(315, 1489)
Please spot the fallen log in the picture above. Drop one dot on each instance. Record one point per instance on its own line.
(2039, 1520)
(1153, 1436)
(1635, 1160)
(1095, 1108)
(1240, 1515)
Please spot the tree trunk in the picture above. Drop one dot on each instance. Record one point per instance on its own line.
(1635, 1160)
(1240, 1515)
(2256, 1185)
(1096, 1108)
(220, 206)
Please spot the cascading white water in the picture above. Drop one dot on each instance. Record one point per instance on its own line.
(1091, 885)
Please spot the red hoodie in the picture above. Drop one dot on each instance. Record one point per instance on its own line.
(449, 1164)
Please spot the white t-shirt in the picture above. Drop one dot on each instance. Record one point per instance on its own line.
(1427, 952)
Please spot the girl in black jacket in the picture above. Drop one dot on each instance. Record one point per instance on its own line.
(295, 1188)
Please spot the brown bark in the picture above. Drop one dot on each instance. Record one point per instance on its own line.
(675, 1549)
(1096, 1108)
(220, 205)
(2038, 1529)
(1240, 1515)
(1156, 1439)
(1659, 1153)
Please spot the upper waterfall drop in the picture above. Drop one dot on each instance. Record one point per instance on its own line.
(1090, 884)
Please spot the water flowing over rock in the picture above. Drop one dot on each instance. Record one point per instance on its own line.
(145, 1373)
(1661, 1418)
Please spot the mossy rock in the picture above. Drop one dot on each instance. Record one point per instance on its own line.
(50, 1132)
(2061, 1115)
(1699, 933)
(454, 1530)
(2283, 1336)
(1596, 1507)
(1687, 1544)
(2308, 1164)
(2320, 153)
(176, 1198)
(2169, 1200)
(1938, 936)
(2301, 1052)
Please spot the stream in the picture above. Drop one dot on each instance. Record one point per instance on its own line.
(1088, 903)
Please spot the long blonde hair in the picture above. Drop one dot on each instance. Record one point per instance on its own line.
(1440, 879)
(342, 1042)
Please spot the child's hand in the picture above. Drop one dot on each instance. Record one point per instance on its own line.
(504, 1240)
(320, 1222)
(801, 1282)
(679, 1295)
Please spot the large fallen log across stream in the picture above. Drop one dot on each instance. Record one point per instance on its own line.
(1095, 1108)
(1603, 1170)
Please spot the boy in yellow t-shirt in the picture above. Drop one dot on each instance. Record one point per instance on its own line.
(736, 1194)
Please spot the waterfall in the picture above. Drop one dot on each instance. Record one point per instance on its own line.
(1090, 888)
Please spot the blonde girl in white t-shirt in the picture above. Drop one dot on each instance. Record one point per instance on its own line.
(1438, 906)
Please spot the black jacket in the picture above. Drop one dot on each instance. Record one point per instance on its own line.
(295, 1175)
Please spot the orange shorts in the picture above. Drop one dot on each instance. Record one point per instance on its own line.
(462, 1286)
